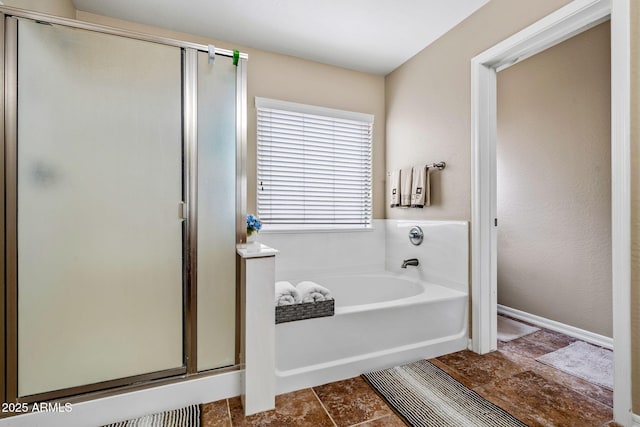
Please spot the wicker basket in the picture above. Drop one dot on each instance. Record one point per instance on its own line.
(305, 310)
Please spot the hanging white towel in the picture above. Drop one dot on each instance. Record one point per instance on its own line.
(420, 188)
(405, 187)
(394, 189)
(286, 293)
(313, 292)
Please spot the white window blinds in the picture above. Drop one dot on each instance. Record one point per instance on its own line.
(314, 166)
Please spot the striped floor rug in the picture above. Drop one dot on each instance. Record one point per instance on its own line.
(184, 417)
(426, 396)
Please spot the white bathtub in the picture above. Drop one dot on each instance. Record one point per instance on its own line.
(381, 320)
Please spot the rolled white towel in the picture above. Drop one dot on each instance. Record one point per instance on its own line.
(312, 292)
(286, 293)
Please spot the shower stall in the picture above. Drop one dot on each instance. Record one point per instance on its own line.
(123, 155)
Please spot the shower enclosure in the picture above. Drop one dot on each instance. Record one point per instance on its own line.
(122, 158)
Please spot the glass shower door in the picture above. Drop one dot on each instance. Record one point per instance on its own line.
(216, 212)
(99, 180)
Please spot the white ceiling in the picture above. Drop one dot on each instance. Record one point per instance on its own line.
(374, 36)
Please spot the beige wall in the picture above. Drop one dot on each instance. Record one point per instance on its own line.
(428, 104)
(554, 183)
(297, 80)
(291, 79)
(635, 202)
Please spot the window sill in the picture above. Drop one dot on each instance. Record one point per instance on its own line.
(313, 230)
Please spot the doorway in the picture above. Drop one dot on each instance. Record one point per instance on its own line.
(554, 187)
(566, 22)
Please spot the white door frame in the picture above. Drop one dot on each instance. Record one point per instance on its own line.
(561, 25)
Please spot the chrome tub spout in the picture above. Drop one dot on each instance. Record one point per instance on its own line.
(412, 261)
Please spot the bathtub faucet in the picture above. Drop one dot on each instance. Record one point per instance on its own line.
(412, 261)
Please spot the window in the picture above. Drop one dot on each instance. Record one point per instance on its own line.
(314, 166)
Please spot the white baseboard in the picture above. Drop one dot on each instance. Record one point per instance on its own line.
(636, 420)
(135, 404)
(571, 331)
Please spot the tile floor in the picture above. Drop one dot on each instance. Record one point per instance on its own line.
(538, 394)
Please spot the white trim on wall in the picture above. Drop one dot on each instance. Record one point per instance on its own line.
(566, 22)
(561, 25)
(621, 206)
(636, 420)
(135, 404)
(569, 330)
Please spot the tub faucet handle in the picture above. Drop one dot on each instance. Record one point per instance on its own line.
(413, 261)
(416, 235)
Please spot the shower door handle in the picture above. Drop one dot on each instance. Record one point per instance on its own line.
(182, 211)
